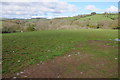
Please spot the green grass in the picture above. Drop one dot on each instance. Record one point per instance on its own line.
(0, 24)
(113, 16)
(98, 18)
(32, 20)
(71, 18)
(33, 47)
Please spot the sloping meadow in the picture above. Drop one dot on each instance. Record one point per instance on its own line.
(20, 50)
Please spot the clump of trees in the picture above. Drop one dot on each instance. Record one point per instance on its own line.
(93, 13)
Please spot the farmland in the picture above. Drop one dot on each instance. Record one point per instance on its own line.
(88, 21)
(59, 39)
(96, 48)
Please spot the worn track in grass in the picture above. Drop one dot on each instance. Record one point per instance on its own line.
(77, 63)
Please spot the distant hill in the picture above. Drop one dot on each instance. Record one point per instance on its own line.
(96, 21)
(3, 18)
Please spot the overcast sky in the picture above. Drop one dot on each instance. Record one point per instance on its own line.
(54, 8)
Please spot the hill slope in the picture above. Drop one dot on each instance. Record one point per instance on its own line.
(103, 21)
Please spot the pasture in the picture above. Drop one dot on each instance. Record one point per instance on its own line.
(96, 18)
(87, 52)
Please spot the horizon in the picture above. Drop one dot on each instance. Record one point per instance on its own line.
(2, 18)
(50, 10)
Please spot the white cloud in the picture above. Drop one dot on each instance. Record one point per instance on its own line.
(50, 17)
(36, 8)
(60, 0)
(36, 16)
(92, 8)
(91, 0)
(112, 9)
(29, 0)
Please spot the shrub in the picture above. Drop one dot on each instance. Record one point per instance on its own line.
(118, 27)
(9, 27)
(91, 26)
(30, 28)
(98, 26)
(87, 25)
(8, 30)
(114, 24)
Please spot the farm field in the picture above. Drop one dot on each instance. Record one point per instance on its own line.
(97, 18)
(82, 53)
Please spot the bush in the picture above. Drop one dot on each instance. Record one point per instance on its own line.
(91, 26)
(9, 27)
(8, 30)
(30, 28)
(114, 24)
(98, 26)
(117, 27)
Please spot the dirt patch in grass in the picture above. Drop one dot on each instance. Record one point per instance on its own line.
(74, 64)
(102, 44)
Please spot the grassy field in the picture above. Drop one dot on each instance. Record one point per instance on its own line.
(97, 18)
(0, 24)
(20, 50)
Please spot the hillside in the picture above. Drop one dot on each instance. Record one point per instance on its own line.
(102, 21)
